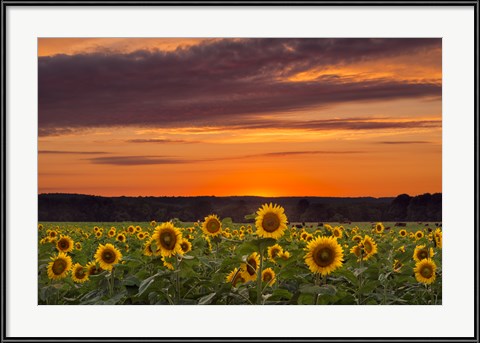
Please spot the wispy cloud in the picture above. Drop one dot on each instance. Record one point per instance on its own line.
(152, 160)
(135, 160)
(66, 152)
(404, 142)
(161, 141)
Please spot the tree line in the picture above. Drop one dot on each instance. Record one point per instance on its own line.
(57, 207)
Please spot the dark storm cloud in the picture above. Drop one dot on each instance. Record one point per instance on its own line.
(145, 160)
(212, 83)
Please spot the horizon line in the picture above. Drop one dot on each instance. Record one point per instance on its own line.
(230, 196)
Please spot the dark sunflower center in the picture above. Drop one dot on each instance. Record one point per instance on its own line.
(238, 278)
(323, 256)
(267, 277)
(120, 238)
(59, 266)
(184, 246)
(63, 244)
(168, 240)
(368, 247)
(251, 266)
(108, 256)
(275, 252)
(80, 273)
(270, 222)
(213, 226)
(422, 254)
(419, 235)
(426, 272)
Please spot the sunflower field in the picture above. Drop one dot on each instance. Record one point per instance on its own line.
(268, 261)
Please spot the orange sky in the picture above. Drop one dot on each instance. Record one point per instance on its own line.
(239, 117)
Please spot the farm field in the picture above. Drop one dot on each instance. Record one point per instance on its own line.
(215, 261)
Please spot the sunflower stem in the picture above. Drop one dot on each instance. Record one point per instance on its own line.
(360, 279)
(111, 282)
(317, 283)
(177, 281)
(259, 277)
(433, 302)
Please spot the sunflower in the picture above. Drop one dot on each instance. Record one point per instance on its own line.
(59, 267)
(421, 252)
(185, 246)
(357, 238)
(271, 221)
(284, 255)
(98, 234)
(131, 229)
(268, 276)
(403, 233)
(167, 264)
(419, 235)
(379, 228)
(111, 232)
(107, 256)
(121, 237)
(96, 228)
(324, 255)
(212, 226)
(425, 271)
(138, 229)
(401, 249)
(147, 249)
(153, 223)
(369, 247)
(304, 235)
(438, 238)
(78, 246)
(397, 265)
(337, 232)
(235, 277)
(52, 233)
(92, 268)
(141, 235)
(79, 273)
(167, 238)
(357, 251)
(251, 266)
(274, 251)
(65, 244)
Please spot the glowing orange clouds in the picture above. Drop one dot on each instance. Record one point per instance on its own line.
(287, 117)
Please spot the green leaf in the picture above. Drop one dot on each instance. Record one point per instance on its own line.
(250, 216)
(358, 271)
(280, 294)
(207, 299)
(147, 282)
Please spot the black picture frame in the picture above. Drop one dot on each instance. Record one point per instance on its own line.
(127, 3)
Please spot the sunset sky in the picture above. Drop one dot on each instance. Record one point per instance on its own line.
(267, 117)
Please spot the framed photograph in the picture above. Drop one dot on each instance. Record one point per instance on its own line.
(260, 170)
